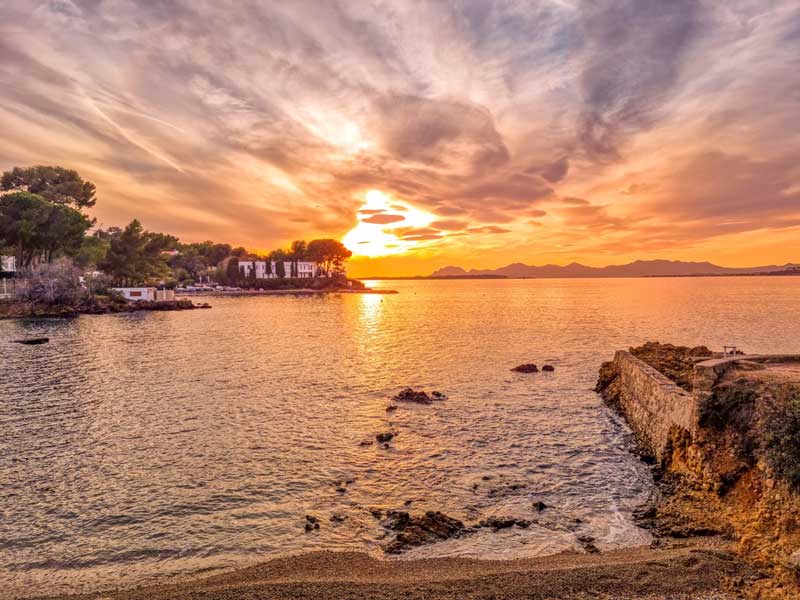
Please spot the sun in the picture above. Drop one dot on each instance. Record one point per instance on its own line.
(382, 221)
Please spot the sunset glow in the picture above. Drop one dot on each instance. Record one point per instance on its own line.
(387, 226)
(506, 131)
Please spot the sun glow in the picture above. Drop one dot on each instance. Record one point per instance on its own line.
(383, 223)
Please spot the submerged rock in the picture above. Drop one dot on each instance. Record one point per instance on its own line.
(384, 437)
(311, 523)
(549, 368)
(433, 526)
(587, 543)
(419, 396)
(526, 368)
(391, 408)
(497, 523)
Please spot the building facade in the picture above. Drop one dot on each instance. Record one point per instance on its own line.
(149, 294)
(8, 265)
(268, 269)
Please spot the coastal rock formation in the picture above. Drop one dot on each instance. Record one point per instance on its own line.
(724, 438)
(548, 368)
(92, 307)
(526, 368)
(419, 396)
(433, 526)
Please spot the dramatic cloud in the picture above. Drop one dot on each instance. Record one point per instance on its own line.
(592, 131)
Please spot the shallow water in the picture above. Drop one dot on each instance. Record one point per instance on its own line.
(145, 445)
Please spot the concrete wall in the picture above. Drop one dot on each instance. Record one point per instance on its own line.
(652, 404)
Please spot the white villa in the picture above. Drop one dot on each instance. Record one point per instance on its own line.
(8, 264)
(148, 294)
(8, 267)
(268, 269)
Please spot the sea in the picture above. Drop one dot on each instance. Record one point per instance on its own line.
(136, 448)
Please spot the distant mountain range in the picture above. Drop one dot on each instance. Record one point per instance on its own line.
(639, 268)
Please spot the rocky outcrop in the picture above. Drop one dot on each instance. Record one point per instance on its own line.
(727, 452)
(526, 368)
(419, 396)
(92, 307)
(433, 526)
(497, 523)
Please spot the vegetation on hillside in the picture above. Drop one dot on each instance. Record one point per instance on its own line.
(42, 221)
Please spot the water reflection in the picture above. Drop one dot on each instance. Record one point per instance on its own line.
(138, 445)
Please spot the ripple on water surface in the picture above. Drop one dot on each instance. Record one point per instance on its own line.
(142, 445)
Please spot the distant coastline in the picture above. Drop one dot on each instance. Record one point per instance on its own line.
(787, 273)
(639, 268)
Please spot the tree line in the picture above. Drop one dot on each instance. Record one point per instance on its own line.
(42, 218)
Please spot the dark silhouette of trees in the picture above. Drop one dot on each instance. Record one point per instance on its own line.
(136, 257)
(329, 254)
(39, 230)
(55, 184)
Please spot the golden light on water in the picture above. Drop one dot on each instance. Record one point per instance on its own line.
(382, 224)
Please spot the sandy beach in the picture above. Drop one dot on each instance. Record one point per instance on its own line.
(691, 571)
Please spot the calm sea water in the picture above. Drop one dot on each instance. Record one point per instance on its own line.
(135, 447)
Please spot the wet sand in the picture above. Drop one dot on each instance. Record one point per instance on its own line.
(698, 572)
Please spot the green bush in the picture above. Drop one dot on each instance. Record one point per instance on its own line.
(780, 435)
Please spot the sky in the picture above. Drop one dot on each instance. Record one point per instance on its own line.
(422, 133)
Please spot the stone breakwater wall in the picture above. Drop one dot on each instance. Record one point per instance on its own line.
(652, 404)
(655, 407)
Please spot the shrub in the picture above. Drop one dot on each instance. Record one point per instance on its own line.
(779, 427)
(56, 283)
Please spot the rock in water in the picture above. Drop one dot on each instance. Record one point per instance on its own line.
(497, 523)
(587, 542)
(33, 341)
(433, 526)
(526, 368)
(419, 396)
(549, 368)
(311, 523)
(384, 437)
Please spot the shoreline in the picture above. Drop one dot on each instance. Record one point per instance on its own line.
(695, 569)
(183, 301)
(290, 292)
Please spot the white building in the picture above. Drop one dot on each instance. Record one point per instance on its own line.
(8, 264)
(148, 294)
(268, 269)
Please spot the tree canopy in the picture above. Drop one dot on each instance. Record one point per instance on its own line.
(55, 184)
(136, 256)
(39, 230)
(329, 254)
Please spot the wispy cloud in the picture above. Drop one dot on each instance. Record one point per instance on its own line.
(569, 127)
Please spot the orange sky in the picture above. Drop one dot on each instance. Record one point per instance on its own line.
(424, 134)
